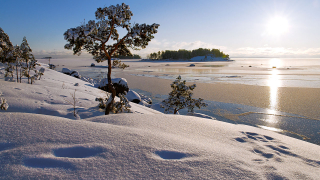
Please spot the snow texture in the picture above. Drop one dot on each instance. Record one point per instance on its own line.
(40, 139)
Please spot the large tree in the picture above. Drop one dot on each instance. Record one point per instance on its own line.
(101, 38)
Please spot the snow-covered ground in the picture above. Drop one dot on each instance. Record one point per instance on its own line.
(41, 139)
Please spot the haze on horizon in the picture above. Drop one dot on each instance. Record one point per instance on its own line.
(282, 28)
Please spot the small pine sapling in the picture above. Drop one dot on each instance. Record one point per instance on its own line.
(118, 107)
(41, 72)
(73, 102)
(122, 105)
(3, 104)
(181, 97)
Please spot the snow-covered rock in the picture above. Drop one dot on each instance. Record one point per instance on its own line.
(75, 74)
(66, 71)
(120, 85)
(133, 96)
(71, 73)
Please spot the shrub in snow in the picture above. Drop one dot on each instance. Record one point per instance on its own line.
(181, 97)
(38, 74)
(3, 104)
(122, 105)
(94, 37)
(117, 107)
(93, 65)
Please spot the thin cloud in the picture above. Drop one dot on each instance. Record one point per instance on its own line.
(274, 52)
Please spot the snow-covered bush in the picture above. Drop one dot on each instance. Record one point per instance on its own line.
(181, 97)
(3, 104)
(102, 40)
(118, 107)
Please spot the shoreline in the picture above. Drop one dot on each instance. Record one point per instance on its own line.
(303, 101)
(295, 100)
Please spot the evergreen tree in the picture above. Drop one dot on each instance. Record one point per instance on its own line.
(29, 61)
(181, 97)
(5, 46)
(94, 36)
(15, 56)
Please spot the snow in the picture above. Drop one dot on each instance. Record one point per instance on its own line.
(132, 95)
(41, 139)
(120, 81)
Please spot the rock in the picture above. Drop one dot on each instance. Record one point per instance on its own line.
(52, 66)
(76, 84)
(133, 97)
(66, 71)
(120, 85)
(93, 65)
(75, 74)
(192, 65)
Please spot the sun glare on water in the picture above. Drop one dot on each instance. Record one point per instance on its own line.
(277, 25)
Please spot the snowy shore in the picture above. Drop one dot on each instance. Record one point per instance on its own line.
(41, 139)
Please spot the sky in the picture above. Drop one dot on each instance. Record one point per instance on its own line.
(246, 28)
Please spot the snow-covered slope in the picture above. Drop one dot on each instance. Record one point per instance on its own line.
(40, 139)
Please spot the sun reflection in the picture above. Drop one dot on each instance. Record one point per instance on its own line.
(274, 83)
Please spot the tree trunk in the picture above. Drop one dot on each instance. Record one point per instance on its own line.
(17, 73)
(111, 88)
(175, 111)
(20, 74)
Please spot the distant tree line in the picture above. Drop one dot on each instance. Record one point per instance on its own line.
(134, 56)
(186, 54)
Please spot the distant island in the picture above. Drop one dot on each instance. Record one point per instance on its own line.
(201, 54)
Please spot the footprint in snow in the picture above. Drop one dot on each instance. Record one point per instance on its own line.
(47, 163)
(5, 146)
(69, 152)
(78, 152)
(269, 148)
(170, 155)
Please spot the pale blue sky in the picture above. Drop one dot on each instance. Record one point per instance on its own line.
(237, 27)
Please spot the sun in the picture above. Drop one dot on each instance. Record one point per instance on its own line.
(277, 25)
